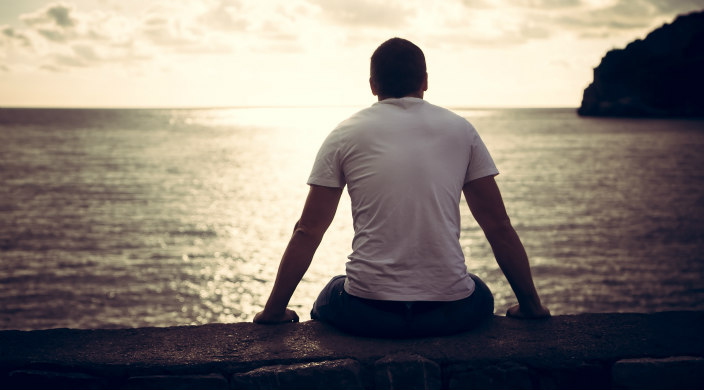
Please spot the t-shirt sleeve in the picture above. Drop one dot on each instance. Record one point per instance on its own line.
(327, 168)
(480, 162)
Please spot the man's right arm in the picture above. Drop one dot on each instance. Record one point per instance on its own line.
(317, 215)
(487, 206)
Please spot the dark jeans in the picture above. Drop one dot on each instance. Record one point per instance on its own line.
(397, 319)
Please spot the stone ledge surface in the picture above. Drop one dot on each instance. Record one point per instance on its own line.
(574, 351)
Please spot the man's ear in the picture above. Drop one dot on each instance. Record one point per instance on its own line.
(372, 85)
(425, 82)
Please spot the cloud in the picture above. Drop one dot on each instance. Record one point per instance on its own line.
(86, 52)
(227, 15)
(482, 25)
(165, 31)
(384, 14)
(53, 14)
(11, 35)
(677, 7)
(543, 4)
(54, 22)
(478, 4)
(498, 24)
(50, 68)
(179, 27)
(59, 35)
(511, 22)
(622, 16)
(619, 16)
(259, 26)
(67, 60)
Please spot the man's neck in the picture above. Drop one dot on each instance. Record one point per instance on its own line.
(418, 95)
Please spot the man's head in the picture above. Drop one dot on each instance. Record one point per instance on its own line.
(398, 70)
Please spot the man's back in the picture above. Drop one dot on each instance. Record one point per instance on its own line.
(404, 162)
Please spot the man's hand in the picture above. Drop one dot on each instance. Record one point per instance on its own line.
(266, 318)
(518, 311)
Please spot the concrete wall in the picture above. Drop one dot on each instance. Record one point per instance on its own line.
(589, 351)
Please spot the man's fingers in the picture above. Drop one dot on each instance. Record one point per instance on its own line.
(516, 312)
(266, 318)
(292, 315)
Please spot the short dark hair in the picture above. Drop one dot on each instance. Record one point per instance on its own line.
(397, 68)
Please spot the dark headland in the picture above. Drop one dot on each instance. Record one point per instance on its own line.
(659, 76)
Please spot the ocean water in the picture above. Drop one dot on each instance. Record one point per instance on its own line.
(125, 218)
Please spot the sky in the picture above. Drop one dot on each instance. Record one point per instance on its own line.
(224, 53)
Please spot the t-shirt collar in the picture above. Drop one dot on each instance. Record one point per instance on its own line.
(404, 102)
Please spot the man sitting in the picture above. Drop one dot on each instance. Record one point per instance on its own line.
(405, 163)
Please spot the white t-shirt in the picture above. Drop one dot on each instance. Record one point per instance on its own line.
(404, 162)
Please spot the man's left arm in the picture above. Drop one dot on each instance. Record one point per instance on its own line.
(318, 213)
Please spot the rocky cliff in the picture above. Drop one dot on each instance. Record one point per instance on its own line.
(659, 76)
